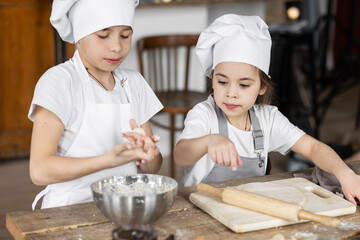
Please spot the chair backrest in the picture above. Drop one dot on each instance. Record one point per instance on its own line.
(164, 61)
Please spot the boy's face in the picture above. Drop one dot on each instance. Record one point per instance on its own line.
(106, 49)
(236, 87)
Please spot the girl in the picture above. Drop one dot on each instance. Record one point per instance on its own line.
(82, 109)
(229, 135)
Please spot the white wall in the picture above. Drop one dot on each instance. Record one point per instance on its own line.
(165, 20)
(246, 8)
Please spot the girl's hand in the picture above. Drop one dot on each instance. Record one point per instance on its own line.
(223, 152)
(350, 184)
(147, 143)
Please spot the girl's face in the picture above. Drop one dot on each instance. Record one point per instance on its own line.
(105, 50)
(236, 87)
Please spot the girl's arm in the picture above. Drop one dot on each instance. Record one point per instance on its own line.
(221, 150)
(188, 151)
(327, 159)
(47, 168)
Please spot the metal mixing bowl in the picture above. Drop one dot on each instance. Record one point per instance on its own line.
(120, 202)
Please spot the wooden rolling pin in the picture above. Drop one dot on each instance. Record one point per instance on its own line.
(266, 205)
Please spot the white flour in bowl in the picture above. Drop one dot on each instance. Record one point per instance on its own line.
(135, 189)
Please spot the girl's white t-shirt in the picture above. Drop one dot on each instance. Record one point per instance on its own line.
(61, 93)
(279, 133)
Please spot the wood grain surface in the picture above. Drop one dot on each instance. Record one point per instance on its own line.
(184, 220)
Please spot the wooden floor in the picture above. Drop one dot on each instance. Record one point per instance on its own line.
(17, 191)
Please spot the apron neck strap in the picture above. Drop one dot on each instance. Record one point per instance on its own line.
(257, 133)
(222, 121)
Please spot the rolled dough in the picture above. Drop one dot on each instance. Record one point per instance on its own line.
(277, 191)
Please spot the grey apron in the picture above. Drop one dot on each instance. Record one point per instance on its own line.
(252, 167)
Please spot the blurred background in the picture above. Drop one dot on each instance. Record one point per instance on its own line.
(315, 67)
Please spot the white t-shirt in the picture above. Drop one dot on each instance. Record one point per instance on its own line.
(61, 93)
(279, 134)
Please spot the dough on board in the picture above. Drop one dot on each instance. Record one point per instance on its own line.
(277, 191)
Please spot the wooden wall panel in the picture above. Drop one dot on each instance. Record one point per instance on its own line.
(26, 52)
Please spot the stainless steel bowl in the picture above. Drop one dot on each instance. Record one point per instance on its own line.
(115, 199)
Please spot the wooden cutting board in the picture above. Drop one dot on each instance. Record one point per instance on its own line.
(310, 196)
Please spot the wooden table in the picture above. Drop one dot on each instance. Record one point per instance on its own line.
(184, 220)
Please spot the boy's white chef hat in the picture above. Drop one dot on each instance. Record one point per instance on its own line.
(235, 38)
(75, 19)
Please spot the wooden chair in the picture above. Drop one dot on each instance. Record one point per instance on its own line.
(164, 61)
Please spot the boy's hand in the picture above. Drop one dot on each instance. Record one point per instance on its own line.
(147, 143)
(127, 152)
(223, 152)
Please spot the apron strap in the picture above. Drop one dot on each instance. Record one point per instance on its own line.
(40, 195)
(223, 129)
(258, 135)
(257, 132)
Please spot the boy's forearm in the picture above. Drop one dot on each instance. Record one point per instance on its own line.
(56, 169)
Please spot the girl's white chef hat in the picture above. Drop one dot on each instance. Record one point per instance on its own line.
(235, 38)
(75, 19)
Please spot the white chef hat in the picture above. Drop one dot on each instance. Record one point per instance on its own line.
(235, 38)
(75, 19)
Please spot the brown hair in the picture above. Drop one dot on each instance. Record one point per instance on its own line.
(266, 82)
